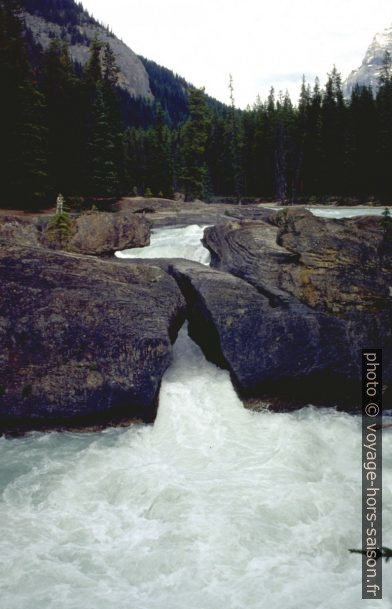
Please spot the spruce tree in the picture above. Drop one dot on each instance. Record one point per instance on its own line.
(333, 114)
(23, 131)
(235, 147)
(105, 147)
(285, 157)
(302, 137)
(194, 140)
(93, 69)
(103, 172)
(219, 157)
(162, 173)
(62, 91)
(268, 137)
(362, 143)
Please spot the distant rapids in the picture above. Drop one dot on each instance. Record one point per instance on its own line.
(212, 507)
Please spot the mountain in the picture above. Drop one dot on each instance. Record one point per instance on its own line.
(142, 82)
(68, 21)
(369, 71)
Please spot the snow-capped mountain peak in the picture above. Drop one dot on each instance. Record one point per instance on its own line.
(368, 73)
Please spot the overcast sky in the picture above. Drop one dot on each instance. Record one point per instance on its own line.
(262, 43)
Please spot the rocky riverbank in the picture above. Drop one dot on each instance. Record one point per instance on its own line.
(287, 306)
(326, 286)
(82, 339)
(91, 233)
(166, 212)
(290, 302)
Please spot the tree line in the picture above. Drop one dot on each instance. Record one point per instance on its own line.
(63, 129)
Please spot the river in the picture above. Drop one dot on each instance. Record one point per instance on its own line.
(212, 507)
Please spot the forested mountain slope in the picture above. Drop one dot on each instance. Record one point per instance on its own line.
(142, 82)
(68, 21)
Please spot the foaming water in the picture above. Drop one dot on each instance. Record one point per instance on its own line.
(172, 243)
(213, 507)
(340, 212)
(347, 212)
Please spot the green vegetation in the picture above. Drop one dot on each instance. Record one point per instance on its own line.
(235, 145)
(194, 137)
(148, 193)
(23, 131)
(74, 130)
(59, 228)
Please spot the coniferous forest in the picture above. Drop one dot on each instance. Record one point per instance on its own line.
(72, 130)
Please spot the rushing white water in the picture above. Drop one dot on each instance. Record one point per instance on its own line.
(172, 243)
(347, 212)
(213, 507)
(340, 212)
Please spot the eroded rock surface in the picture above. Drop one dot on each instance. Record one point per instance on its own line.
(291, 302)
(340, 266)
(237, 326)
(82, 337)
(19, 231)
(91, 233)
(105, 233)
(167, 212)
(314, 293)
(132, 77)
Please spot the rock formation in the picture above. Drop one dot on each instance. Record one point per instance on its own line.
(81, 338)
(15, 230)
(133, 76)
(314, 292)
(340, 266)
(166, 212)
(287, 307)
(96, 234)
(105, 233)
(369, 71)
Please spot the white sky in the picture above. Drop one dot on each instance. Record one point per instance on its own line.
(262, 43)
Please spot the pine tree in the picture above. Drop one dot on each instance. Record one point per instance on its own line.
(268, 137)
(148, 193)
(59, 228)
(235, 147)
(103, 172)
(105, 148)
(110, 72)
(362, 142)
(22, 119)
(219, 158)
(302, 137)
(62, 91)
(93, 68)
(333, 114)
(63, 130)
(194, 140)
(162, 172)
(285, 154)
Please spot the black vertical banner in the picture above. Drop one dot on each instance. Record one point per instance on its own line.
(371, 473)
